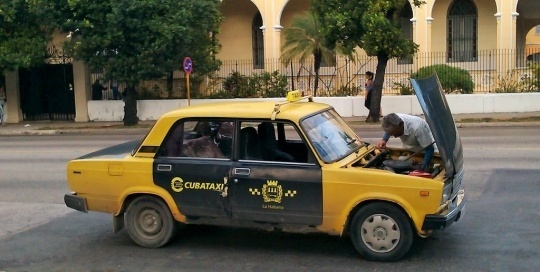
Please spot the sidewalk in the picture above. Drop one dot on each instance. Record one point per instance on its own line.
(526, 119)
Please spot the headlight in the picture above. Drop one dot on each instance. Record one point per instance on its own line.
(447, 192)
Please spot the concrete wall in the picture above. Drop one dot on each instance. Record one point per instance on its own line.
(113, 110)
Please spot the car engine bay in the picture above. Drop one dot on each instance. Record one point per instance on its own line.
(399, 161)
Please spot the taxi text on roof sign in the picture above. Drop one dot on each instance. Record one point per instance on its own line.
(294, 96)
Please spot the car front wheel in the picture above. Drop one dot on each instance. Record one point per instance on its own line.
(149, 222)
(381, 232)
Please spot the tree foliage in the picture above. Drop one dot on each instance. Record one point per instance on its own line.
(26, 28)
(373, 25)
(136, 40)
(305, 39)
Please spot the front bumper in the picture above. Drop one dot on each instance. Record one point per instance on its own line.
(75, 202)
(438, 221)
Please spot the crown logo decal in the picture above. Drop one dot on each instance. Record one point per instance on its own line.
(272, 191)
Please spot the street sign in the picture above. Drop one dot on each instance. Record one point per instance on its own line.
(188, 65)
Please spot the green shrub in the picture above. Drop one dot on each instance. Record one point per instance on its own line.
(264, 84)
(219, 95)
(403, 89)
(235, 84)
(452, 79)
(510, 83)
(267, 84)
(145, 93)
(534, 81)
(347, 91)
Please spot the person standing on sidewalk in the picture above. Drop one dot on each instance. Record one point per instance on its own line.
(2, 100)
(97, 90)
(369, 92)
(369, 88)
(115, 92)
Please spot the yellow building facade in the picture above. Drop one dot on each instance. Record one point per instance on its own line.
(486, 37)
(497, 24)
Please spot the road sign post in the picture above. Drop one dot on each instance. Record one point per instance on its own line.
(188, 68)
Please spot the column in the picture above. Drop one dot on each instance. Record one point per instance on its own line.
(13, 97)
(83, 90)
(506, 40)
(276, 47)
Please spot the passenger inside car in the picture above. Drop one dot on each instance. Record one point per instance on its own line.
(249, 144)
(269, 146)
(200, 139)
(202, 147)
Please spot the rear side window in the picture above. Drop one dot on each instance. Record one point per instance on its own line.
(205, 138)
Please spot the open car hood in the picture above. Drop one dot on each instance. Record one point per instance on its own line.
(440, 120)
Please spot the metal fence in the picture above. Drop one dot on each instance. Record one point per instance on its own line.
(491, 71)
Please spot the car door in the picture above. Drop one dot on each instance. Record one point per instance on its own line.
(193, 165)
(273, 189)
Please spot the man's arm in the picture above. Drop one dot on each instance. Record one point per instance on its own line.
(382, 143)
(428, 155)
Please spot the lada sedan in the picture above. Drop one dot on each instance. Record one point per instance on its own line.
(293, 166)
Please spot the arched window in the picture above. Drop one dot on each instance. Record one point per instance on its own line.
(258, 42)
(405, 17)
(462, 39)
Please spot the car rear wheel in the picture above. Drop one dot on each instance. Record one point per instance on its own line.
(381, 232)
(149, 222)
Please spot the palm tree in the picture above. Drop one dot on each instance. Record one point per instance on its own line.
(304, 39)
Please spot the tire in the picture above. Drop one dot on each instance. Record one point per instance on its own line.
(381, 232)
(149, 222)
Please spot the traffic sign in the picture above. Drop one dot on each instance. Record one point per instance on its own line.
(188, 65)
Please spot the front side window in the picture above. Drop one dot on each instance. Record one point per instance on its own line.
(208, 138)
(272, 141)
(332, 138)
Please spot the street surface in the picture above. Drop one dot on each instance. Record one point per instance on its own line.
(499, 232)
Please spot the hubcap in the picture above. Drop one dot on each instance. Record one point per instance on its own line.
(150, 222)
(380, 233)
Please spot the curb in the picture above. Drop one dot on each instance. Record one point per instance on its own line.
(116, 131)
(29, 132)
(498, 124)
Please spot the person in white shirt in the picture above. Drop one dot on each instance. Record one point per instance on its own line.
(414, 133)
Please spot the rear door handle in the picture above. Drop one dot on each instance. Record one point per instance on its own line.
(242, 171)
(164, 167)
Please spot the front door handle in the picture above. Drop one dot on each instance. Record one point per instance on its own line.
(164, 167)
(242, 171)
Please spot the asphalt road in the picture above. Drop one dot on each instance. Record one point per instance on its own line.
(499, 231)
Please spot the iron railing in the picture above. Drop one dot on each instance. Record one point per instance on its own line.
(491, 71)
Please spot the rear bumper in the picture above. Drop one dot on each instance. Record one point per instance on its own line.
(438, 222)
(75, 202)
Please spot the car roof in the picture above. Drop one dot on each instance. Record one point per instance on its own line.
(248, 109)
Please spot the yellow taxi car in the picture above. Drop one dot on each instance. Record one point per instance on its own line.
(294, 166)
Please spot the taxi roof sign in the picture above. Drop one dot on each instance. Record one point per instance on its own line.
(294, 96)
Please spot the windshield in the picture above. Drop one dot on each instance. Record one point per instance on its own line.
(332, 138)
